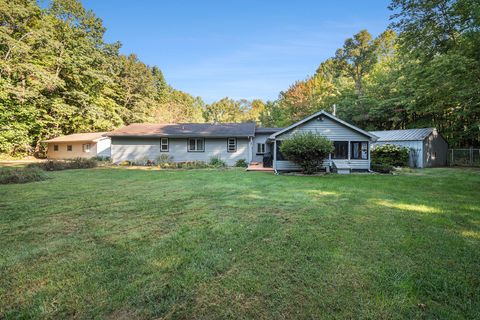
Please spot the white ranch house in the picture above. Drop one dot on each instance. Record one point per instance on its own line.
(234, 141)
(231, 142)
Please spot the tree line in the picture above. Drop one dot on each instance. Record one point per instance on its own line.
(59, 76)
(424, 71)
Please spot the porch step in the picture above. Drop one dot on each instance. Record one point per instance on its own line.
(258, 166)
(341, 167)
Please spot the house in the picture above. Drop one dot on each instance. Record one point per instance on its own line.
(260, 145)
(352, 144)
(427, 147)
(83, 145)
(184, 142)
(234, 141)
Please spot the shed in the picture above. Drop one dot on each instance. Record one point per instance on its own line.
(427, 147)
(82, 145)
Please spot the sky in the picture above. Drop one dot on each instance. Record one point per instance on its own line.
(241, 49)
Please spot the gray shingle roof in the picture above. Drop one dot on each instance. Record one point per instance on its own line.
(403, 135)
(187, 130)
(267, 130)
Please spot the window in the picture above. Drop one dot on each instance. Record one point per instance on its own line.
(55, 147)
(341, 150)
(69, 147)
(359, 150)
(260, 148)
(164, 145)
(231, 144)
(196, 145)
(86, 147)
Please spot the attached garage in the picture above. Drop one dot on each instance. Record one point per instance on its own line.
(427, 147)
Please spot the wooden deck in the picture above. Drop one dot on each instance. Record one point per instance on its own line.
(258, 166)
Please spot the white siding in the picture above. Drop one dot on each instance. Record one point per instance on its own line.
(354, 164)
(149, 148)
(329, 128)
(416, 145)
(259, 138)
(103, 148)
(332, 130)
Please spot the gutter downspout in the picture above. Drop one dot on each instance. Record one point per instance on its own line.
(275, 156)
(250, 151)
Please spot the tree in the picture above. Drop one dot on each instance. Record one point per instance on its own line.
(307, 149)
(357, 58)
(59, 76)
(224, 110)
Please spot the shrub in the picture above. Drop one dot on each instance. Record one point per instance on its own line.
(164, 158)
(192, 165)
(143, 161)
(102, 158)
(388, 156)
(217, 162)
(56, 165)
(242, 163)
(307, 149)
(21, 175)
(81, 163)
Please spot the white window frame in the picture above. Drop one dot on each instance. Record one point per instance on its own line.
(261, 146)
(86, 147)
(196, 145)
(55, 147)
(231, 142)
(164, 144)
(70, 146)
(362, 150)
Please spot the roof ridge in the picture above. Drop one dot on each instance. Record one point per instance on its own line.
(178, 123)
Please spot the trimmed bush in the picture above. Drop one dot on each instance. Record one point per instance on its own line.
(241, 163)
(57, 165)
(308, 150)
(21, 175)
(217, 162)
(388, 156)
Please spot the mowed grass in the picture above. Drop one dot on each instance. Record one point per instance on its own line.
(216, 244)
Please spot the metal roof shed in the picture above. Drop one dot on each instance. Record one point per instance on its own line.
(427, 147)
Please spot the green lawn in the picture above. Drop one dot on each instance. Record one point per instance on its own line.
(119, 243)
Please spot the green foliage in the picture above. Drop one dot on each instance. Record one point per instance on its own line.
(307, 150)
(421, 73)
(385, 157)
(21, 175)
(102, 158)
(216, 162)
(241, 163)
(164, 158)
(184, 165)
(57, 165)
(59, 76)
